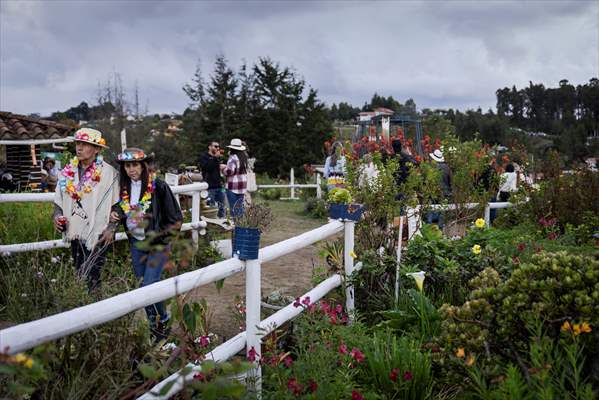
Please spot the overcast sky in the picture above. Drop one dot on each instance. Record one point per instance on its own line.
(441, 54)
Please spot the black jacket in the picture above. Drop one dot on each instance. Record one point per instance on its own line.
(163, 213)
(210, 167)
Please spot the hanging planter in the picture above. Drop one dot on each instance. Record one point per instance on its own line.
(346, 212)
(254, 220)
(246, 243)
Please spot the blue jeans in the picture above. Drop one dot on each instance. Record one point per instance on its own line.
(437, 217)
(148, 265)
(216, 197)
(235, 203)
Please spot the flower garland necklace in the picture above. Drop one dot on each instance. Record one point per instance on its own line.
(144, 203)
(91, 176)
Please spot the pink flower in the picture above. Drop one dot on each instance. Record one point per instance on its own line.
(312, 386)
(306, 301)
(407, 376)
(355, 395)
(521, 246)
(200, 376)
(205, 341)
(324, 306)
(288, 361)
(252, 354)
(297, 302)
(552, 236)
(342, 348)
(294, 386)
(394, 374)
(357, 355)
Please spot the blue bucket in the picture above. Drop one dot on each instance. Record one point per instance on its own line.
(246, 243)
(346, 212)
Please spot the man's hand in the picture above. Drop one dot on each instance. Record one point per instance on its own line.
(60, 228)
(107, 236)
(114, 217)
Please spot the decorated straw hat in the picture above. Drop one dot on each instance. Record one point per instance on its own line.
(90, 136)
(236, 144)
(134, 154)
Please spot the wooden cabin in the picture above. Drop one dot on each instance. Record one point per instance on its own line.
(21, 141)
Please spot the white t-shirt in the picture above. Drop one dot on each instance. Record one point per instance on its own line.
(508, 182)
(137, 231)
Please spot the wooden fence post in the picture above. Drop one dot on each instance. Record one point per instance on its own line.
(252, 321)
(348, 257)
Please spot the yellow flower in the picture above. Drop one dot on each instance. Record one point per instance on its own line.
(585, 327)
(75, 162)
(470, 360)
(460, 353)
(23, 359)
(480, 223)
(352, 254)
(566, 327)
(476, 249)
(419, 278)
(87, 189)
(576, 329)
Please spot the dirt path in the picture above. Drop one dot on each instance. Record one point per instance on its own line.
(291, 274)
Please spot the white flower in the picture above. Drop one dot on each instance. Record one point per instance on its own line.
(6, 253)
(168, 346)
(53, 280)
(23, 294)
(40, 274)
(55, 260)
(419, 278)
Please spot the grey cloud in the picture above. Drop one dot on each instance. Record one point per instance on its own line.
(449, 54)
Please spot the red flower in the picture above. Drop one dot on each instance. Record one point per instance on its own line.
(205, 341)
(288, 361)
(394, 374)
(552, 236)
(297, 302)
(306, 301)
(355, 395)
(200, 376)
(294, 386)
(324, 306)
(521, 246)
(252, 354)
(407, 376)
(342, 348)
(357, 355)
(312, 386)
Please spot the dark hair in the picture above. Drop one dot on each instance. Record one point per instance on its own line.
(396, 144)
(243, 160)
(125, 181)
(509, 168)
(334, 153)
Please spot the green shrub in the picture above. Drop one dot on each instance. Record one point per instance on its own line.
(316, 208)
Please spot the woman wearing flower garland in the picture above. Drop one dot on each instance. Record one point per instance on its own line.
(87, 188)
(148, 210)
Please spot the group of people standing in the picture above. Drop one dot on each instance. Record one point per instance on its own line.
(92, 199)
(237, 172)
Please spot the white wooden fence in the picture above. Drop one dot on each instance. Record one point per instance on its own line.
(292, 186)
(27, 335)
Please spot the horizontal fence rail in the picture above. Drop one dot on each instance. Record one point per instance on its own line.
(196, 190)
(292, 186)
(27, 335)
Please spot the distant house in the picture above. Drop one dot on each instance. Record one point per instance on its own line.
(368, 115)
(174, 126)
(21, 140)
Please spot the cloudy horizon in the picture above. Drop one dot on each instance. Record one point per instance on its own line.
(442, 54)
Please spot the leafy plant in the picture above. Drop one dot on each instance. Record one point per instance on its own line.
(340, 196)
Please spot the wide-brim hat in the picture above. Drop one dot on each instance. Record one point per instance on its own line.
(236, 144)
(90, 136)
(134, 154)
(437, 155)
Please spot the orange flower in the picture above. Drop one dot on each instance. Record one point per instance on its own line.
(102, 141)
(460, 353)
(585, 327)
(576, 329)
(566, 327)
(470, 360)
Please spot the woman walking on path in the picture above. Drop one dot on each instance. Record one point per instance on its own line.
(334, 167)
(509, 183)
(149, 212)
(235, 172)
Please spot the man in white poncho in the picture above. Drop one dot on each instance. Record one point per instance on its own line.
(87, 188)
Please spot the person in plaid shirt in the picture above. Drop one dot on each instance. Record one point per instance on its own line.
(236, 173)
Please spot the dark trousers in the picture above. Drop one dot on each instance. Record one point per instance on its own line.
(89, 263)
(148, 265)
(216, 197)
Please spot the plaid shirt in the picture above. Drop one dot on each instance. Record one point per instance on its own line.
(236, 181)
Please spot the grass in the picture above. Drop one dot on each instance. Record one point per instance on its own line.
(26, 222)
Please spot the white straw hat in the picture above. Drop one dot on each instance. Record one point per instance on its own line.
(437, 156)
(236, 144)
